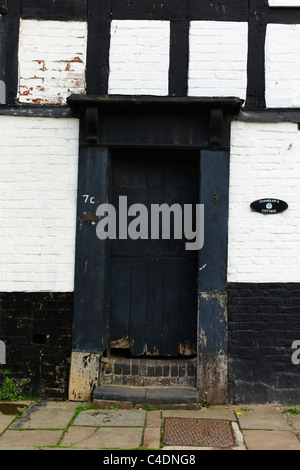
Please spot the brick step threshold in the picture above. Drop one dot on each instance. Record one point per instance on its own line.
(134, 381)
(146, 372)
(146, 395)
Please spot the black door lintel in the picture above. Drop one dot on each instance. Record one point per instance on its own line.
(191, 122)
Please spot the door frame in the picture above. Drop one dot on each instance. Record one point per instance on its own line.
(118, 121)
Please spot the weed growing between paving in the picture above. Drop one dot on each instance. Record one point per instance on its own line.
(292, 411)
(8, 390)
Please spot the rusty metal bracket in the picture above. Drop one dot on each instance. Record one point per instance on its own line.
(216, 127)
(92, 124)
(90, 217)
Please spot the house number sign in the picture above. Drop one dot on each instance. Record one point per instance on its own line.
(269, 206)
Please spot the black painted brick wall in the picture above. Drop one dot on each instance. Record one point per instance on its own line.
(36, 328)
(263, 322)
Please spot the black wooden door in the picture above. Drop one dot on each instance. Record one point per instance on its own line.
(153, 288)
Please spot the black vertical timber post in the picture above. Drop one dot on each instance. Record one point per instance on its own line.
(257, 25)
(212, 277)
(9, 49)
(89, 335)
(99, 20)
(90, 303)
(179, 58)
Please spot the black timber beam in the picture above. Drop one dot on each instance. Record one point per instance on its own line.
(228, 10)
(233, 104)
(169, 10)
(62, 10)
(155, 121)
(9, 48)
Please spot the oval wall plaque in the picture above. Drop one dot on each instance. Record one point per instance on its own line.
(269, 206)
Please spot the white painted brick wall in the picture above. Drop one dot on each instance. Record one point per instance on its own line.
(264, 163)
(38, 186)
(284, 3)
(52, 61)
(282, 57)
(139, 57)
(218, 59)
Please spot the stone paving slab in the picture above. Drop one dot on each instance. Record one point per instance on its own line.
(264, 428)
(29, 438)
(154, 418)
(152, 437)
(49, 415)
(111, 418)
(293, 420)
(171, 448)
(108, 438)
(19, 448)
(9, 411)
(271, 440)
(5, 421)
(263, 417)
(213, 412)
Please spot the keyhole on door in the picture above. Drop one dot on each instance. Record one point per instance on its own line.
(215, 198)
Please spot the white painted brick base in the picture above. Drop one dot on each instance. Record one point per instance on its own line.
(38, 190)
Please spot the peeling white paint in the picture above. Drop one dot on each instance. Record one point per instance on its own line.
(212, 379)
(219, 297)
(84, 375)
(202, 338)
(52, 61)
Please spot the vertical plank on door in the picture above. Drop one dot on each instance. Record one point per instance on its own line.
(170, 311)
(139, 297)
(120, 299)
(154, 308)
